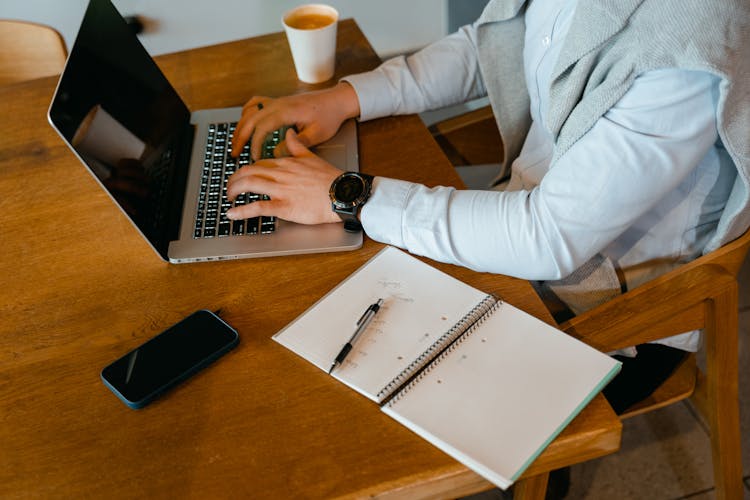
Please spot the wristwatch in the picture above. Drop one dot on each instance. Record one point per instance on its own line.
(348, 193)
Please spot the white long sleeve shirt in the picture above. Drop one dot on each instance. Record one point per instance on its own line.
(644, 187)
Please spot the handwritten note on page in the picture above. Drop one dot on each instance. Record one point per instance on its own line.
(420, 305)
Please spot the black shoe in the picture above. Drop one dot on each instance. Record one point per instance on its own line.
(558, 484)
(642, 375)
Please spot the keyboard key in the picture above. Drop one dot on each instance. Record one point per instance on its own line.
(252, 226)
(238, 227)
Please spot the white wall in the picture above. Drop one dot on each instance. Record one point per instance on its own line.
(391, 26)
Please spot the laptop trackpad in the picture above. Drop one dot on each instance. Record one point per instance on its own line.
(335, 154)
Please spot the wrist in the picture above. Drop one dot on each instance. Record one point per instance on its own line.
(346, 99)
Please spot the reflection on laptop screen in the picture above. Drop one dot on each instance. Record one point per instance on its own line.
(124, 119)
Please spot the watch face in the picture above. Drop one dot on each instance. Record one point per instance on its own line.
(349, 188)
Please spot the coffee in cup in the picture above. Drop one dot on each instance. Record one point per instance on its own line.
(311, 32)
(309, 20)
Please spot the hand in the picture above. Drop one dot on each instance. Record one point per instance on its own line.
(317, 116)
(298, 186)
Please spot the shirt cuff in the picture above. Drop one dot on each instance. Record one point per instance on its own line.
(382, 215)
(372, 89)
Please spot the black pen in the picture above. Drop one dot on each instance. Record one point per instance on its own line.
(361, 325)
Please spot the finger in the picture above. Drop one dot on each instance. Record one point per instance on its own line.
(268, 122)
(281, 150)
(294, 145)
(253, 103)
(246, 124)
(254, 209)
(243, 131)
(250, 183)
(307, 136)
(258, 168)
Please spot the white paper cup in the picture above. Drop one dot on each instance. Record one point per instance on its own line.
(311, 32)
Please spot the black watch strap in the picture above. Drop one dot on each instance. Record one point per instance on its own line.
(348, 193)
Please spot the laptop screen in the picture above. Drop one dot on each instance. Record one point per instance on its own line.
(117, 110)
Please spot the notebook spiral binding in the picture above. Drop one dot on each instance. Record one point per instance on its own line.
(487, 307)
(472, 319)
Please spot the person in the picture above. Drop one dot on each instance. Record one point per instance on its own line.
(625, 130)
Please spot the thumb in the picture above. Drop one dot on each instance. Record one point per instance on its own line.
(294, 145)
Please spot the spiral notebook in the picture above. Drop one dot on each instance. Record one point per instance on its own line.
(480, 379)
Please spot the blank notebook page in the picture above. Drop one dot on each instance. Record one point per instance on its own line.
(503, 393)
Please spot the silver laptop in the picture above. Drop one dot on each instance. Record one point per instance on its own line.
(164, 166)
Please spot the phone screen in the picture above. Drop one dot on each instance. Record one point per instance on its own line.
(170, 357)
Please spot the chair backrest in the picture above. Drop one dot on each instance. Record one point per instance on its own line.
(700, 294)
(471, 138)
(29, 51)
(730, 256)
(613, 325)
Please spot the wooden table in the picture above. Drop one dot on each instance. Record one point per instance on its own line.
(80, 287)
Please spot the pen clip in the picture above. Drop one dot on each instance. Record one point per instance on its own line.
(362, 318)
(372, 308)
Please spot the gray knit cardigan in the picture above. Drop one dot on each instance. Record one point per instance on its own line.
(610, 43)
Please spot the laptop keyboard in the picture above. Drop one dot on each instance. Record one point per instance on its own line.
(211, 220)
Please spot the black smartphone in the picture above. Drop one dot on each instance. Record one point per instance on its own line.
(169, 358)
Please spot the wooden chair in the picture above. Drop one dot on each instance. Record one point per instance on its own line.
(699, 295)
(470, 138)
(29, 51)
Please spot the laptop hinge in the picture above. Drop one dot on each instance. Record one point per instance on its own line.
(178, 175)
